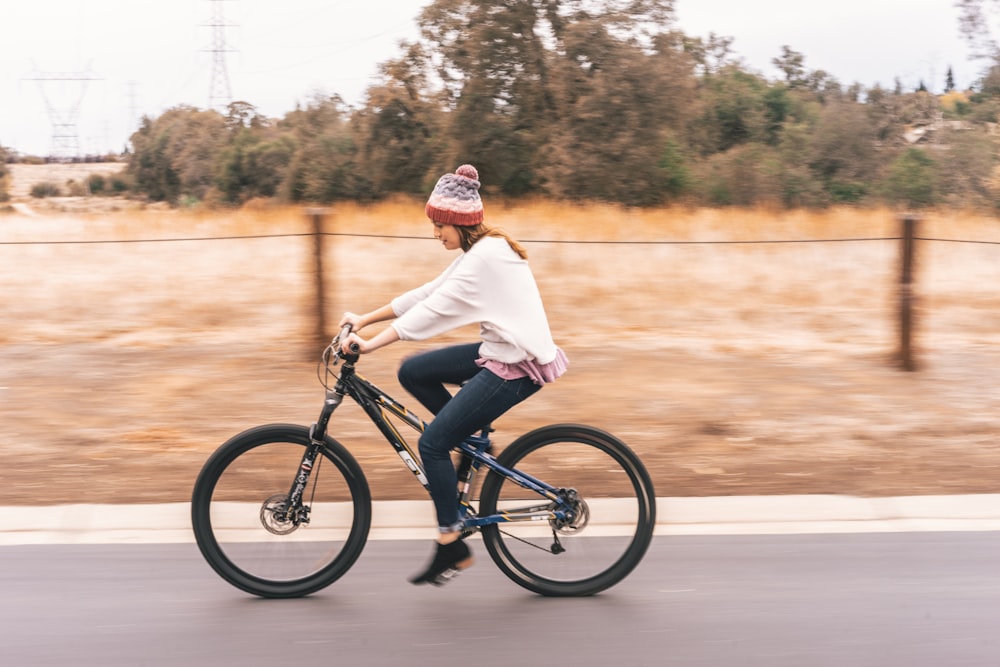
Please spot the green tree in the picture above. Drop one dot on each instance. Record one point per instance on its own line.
(735, 109)
(910, 181)
(622, 107)
(324, 167)
(792, 64)
(175, 155)
(843, 152)
(255, 157)
(796, 183)
(252, 165)
(398, 128)
(494, 65)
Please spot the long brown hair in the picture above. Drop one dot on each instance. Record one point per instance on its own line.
(470, 235)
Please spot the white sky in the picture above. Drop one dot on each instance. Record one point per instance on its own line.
(150, 55)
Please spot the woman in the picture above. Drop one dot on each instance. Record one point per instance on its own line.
(489, 283)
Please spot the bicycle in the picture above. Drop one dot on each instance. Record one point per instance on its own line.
(282, 510)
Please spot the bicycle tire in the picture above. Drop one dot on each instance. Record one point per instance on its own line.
(620, 504)
(242, 540)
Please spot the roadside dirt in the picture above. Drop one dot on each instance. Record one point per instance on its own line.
(731, 370)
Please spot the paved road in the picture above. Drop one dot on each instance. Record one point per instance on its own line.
(879, 599)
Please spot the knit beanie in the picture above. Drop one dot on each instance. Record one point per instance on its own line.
(455, 200)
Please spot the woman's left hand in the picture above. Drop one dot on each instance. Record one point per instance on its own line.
(354, 339)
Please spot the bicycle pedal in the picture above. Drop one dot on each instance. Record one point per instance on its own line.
(446, 576)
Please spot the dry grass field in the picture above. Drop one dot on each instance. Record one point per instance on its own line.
(756, 368)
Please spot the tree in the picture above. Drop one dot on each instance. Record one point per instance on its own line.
(949, 81)
(255, 157)
(253, 165)
(493, 63)
(842, 152)
(324, 166)
(792, 64)
(976, 26)
(622, 109)
(711, 54)
(911, 180)
(735, 109)
(746, 175)
(398, 128)
(965, 163)
(175, 154)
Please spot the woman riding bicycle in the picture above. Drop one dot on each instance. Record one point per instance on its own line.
(489, 283)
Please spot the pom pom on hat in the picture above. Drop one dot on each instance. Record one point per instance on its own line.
(468, 171)
(455, 199)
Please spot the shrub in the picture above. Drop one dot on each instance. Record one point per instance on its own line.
(120, 185)
(96, 183)
(4, 195)
(76, 189)
(45, 189)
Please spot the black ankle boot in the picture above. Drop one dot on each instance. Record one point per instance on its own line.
(449, 560)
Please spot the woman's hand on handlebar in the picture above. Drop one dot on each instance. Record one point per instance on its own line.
(352, 319)
(351, 323)
(353, 344)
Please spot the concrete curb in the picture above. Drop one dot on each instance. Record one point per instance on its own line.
(729, 515)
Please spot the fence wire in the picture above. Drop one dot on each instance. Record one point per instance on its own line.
(187, 239)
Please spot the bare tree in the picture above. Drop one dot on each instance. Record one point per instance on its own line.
(977, 22)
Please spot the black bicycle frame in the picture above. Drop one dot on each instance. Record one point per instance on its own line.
(376, 404)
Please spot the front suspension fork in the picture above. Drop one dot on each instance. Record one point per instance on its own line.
(295, 511)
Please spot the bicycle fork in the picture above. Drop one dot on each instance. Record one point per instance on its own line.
(295, 511)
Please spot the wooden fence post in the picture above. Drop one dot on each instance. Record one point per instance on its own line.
(320, 337)
(906, 294)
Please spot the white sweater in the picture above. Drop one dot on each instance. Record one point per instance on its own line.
(490, 284)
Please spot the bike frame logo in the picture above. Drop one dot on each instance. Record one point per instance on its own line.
(303, 477)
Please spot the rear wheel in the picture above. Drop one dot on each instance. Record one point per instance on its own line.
(615, 511)
(237, 512)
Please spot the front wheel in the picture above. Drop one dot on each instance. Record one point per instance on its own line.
(613, 524)
(237, 512)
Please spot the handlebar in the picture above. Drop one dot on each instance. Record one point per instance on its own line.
(344, 333)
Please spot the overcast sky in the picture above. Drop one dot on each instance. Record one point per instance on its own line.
(146, 56)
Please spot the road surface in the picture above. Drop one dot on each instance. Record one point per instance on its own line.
(881, 599)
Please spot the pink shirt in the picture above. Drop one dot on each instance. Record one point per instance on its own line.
(539, 373)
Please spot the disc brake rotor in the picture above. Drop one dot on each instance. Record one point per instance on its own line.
(581, 517)
(273, 518)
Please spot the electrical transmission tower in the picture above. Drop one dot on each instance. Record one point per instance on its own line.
(63, 107)
(219, 92)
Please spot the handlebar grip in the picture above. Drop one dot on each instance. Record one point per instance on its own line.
(345, 331)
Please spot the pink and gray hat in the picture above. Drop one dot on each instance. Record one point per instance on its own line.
(455, 200)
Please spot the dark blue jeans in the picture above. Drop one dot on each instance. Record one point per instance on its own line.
(484, 397)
